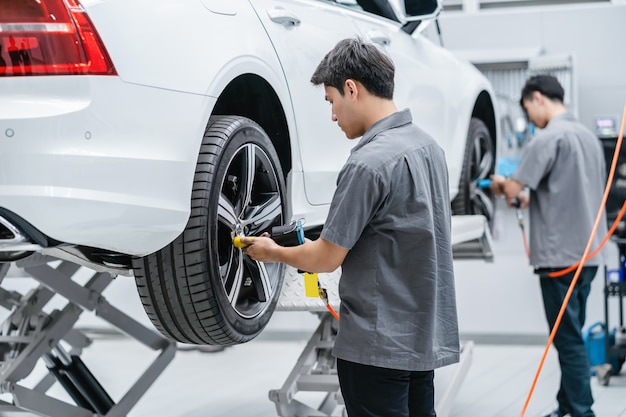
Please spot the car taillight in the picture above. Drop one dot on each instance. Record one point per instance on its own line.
(50, 37)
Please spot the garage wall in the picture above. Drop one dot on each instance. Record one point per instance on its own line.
(503, 299)
(592, 33)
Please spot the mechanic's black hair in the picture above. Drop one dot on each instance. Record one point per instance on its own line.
(546, 84)
(358, 60)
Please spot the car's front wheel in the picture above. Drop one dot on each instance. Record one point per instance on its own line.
(201, 289)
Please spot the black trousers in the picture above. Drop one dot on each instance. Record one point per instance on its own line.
(574, 396)
(370, 391)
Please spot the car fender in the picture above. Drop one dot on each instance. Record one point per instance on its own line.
(466, 89)
(164, 65)
(213, 68)
(463, 115)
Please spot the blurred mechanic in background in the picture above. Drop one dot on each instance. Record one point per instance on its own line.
(564, 168)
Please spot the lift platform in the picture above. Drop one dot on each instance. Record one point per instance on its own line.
(312, 387)
(29, 334)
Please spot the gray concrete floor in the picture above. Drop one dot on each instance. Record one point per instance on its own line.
(235, 382)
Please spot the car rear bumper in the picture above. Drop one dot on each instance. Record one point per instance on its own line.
(98, 162)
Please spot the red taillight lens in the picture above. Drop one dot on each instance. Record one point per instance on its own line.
(50, 37)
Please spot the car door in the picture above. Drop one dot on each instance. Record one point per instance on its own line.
(302, 32)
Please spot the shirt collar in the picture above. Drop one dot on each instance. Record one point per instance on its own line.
(563, 116)
(397, 119)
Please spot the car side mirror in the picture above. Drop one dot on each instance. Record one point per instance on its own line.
(412, 10)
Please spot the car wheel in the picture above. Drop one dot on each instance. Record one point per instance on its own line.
(478, 164)
(200, 289)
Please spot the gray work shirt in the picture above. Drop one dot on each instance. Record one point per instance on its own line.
(564, 168)
(392, 210)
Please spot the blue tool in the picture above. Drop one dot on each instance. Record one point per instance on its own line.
(484, 183)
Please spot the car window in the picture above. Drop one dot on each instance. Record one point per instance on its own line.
(378, 7)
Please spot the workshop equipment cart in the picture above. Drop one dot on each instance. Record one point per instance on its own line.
(614, 286)
(614, 279)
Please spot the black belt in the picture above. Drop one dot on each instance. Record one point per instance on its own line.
(546, 271)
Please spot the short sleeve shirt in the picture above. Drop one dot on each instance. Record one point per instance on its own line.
(564, 168)
(391, 209)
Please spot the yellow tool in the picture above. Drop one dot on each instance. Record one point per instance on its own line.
(238, 243)
(311, 285)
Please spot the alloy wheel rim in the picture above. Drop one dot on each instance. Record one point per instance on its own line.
(250, 203)
(482, 161)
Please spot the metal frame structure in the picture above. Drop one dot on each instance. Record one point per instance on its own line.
(29, 334)
(315, 371)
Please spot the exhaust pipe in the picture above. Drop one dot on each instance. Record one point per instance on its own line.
(13, 240)
(9, 233)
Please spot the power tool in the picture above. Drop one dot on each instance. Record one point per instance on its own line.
(291, 234)
(486, 183)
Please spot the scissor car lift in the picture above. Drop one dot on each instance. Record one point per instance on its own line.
(312, 387)
(29, 334)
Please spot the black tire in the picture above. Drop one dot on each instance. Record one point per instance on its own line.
(200, 289)
(478, 164)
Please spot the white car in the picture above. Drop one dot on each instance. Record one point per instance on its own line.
(137, 136)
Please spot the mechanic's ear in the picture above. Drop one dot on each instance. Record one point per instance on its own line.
(350, 88)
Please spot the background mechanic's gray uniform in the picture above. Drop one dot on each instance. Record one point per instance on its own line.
(564, 167)
(392, 210)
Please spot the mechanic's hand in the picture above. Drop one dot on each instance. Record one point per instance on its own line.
(260, 248)
(497, 185)
(524, 199)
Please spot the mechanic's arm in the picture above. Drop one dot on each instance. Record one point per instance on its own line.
(509, 188)
(318, 255)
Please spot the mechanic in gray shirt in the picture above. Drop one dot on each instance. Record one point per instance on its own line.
(564, 168)
(388, 227)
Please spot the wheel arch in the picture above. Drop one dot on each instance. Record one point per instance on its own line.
(251, 96)
(481, 143)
